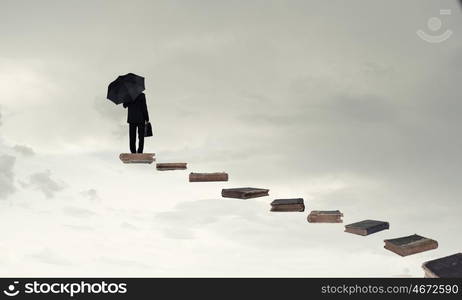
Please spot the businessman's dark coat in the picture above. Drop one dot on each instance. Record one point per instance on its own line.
(137, 110)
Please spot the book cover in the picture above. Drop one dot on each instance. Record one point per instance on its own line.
(445, 267)
(409, 245)
(244, 193)
(288, 205)
(367, 227)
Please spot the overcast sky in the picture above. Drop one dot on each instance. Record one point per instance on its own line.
(337, 102)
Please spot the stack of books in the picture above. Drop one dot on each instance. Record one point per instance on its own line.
(137, 158)
(170, 166)
(288, 205)
(367, 227)
(207, 177)
(244, 193)
(325, 216)
(411, 244)
(445, 267)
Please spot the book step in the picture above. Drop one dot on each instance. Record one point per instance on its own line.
(207, 177)
(367, 227)
(244, 193)
(288, 205)
(445, 267)
(325, 216)
(137, 158)
(171, 166)
(409, 245)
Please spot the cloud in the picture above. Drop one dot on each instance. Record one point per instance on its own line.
(248, 222)
(91, 194)
(123, 263)
(340, 110)
(177, 224)
(129, 226)
(79, 227)
(24, 150)
(47, 256)
(108, 110)
(43, 182)
(1, 116)
(78, 212)
(270, 99)
(7, 187)
(115, 115)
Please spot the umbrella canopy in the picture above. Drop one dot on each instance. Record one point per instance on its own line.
(125, 88)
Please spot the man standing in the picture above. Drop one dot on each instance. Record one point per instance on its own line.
(137, 118)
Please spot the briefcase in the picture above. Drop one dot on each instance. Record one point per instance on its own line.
(147, 129)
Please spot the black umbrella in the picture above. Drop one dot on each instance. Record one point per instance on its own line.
(125, 88)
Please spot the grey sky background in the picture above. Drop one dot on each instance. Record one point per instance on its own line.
(338, 102)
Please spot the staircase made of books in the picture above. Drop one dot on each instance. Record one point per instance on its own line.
(449, 266)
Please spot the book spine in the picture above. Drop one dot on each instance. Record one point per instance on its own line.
(232, 194)
(420, 247)
(198, 177)
(324, 219)
(289, 207)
